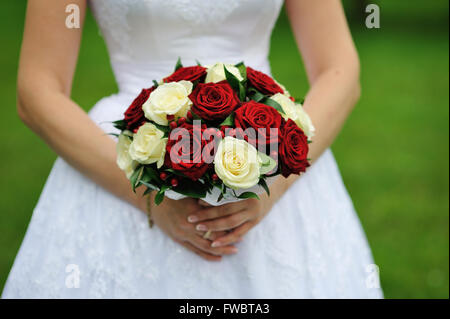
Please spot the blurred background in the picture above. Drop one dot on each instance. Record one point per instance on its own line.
(393, 151)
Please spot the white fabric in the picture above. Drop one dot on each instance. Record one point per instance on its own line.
(310, 245)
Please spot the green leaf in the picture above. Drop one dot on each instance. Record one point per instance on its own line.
(241, 92)
(235, 84)
(159, 198)
(232, 80)
(191, 189)
(144, 177)
(229, 121)
(160, 195)
(151, 175)
(174, 172)
(162, 128)
(273, 104)
(242, 69)
(263, 184)
(256, 96)
(223, 190)
(135, 177)
(248, 195)
(179, 64)
(155, 84)
(120, 125)
(150, 187)
(268, 163)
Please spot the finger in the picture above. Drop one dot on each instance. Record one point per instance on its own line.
(233, 237)
(205, 245)
(212, 236)
(199, 252)
(224, 223)
(217, 211)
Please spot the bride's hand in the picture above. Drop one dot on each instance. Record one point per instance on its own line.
(172, 217)
(235, 218)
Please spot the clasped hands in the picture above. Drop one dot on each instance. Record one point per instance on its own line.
(187, 221)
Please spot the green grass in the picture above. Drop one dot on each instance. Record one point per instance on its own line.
(393, 152)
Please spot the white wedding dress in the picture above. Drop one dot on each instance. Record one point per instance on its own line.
(83, 242)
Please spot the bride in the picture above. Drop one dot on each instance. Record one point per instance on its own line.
(89, 236)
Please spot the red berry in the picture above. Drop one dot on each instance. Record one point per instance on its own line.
(163, 176)
(214, 177)
(170, 117)
(189, 115)
(174, 182)
(173, 125)
(135, 130)
(181, 120)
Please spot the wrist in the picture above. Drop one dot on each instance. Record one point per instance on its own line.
(279, 187)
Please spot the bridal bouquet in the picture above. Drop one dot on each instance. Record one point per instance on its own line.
(218, 133)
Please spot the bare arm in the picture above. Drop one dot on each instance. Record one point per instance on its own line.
(332, 65)
(47, 64)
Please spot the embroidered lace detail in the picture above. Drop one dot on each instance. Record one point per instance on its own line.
(203, 12)
(111, 16)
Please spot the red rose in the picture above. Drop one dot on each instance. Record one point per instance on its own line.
(190, 73)
(293, 149)
(262, 118)
(262, 82)
(214, 101)
(184, 151)
(134, 115)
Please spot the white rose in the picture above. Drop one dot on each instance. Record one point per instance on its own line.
(216, 73)
(237, 163)
(124, 160)
(296, 113)
(149, 145)
(168, 99)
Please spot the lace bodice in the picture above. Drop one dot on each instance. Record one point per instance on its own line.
(146, 37)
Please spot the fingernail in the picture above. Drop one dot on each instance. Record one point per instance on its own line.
(202, 228)
(192, 219)
(215, 244)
